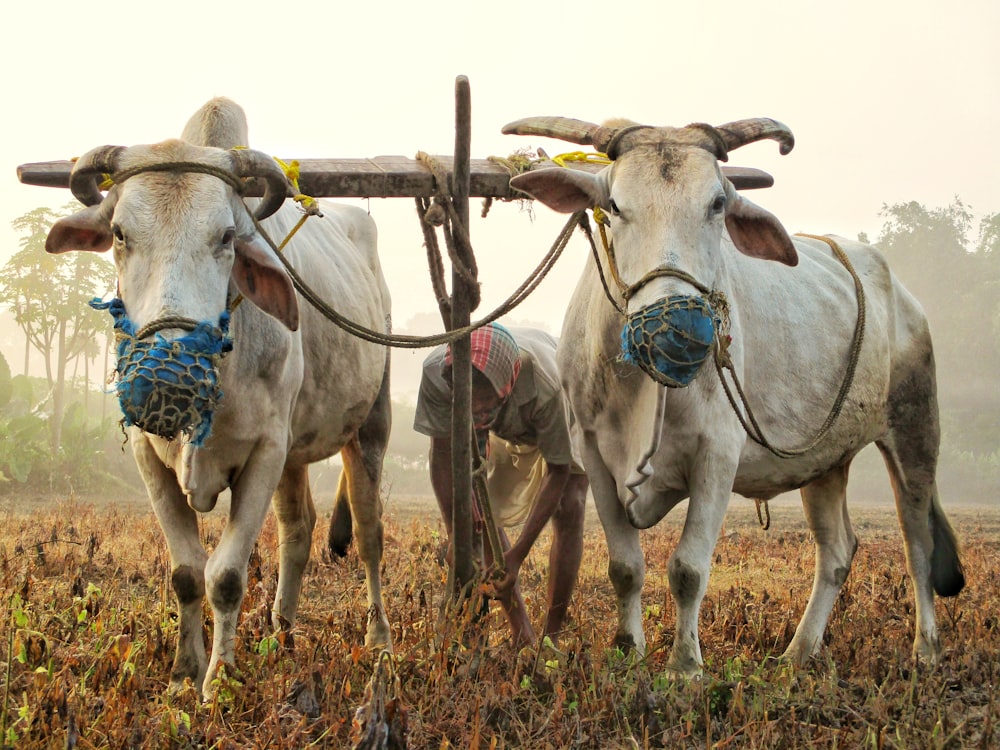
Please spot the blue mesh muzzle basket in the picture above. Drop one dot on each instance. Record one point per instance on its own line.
(168, 387)
(670, 339)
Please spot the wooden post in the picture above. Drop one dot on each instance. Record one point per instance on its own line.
(461, 422)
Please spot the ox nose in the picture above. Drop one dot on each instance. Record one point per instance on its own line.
(670, 339)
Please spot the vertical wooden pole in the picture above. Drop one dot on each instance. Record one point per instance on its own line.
(461, 421)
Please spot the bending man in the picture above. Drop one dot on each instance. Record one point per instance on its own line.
(521, 426)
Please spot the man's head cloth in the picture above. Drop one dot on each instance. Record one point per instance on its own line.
(496, 355)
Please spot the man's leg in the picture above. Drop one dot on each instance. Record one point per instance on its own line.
(566, 552)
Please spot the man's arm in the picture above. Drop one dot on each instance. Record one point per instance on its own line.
(549, 496)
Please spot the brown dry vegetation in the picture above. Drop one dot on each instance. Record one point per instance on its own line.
(89, 628)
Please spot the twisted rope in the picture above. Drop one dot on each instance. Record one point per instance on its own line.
(178, 166)
(356, 329)
(402, 341)
(722, 361)
(168, 321)
(455, 230)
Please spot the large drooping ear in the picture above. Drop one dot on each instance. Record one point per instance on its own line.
(757, 232)
(263, 280)
(87, 229)
(564, 190)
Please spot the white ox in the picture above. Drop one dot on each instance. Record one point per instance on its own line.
(296, 388)
(647, 447)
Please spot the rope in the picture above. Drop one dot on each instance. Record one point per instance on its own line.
(600, 269)
(169, 321)
(455, 231)
(181, 166)
(722, 361)
(402, 341)
(434, 262)
(481, 495)
(356, 329)
(309, 205)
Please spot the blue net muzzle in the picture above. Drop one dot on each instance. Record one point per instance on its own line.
(168, 387)
(670, 339)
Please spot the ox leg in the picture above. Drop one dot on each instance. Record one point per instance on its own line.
(363, 457)
(226, 569)
(296, 516)
(626, 565)
(932, 561)
(825, 503)
(690, 563)
(187, 561)
(366, 512)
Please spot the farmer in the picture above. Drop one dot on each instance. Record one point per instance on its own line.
(520, 421)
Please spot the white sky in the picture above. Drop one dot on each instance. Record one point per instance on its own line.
(890, 101)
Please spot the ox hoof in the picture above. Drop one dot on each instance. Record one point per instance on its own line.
(627, 647)
(221, 683)
(379, 636)
(799, 652)
(179, 688)
(687, 672)
(926, 651)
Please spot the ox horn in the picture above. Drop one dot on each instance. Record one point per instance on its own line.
(742, 132)
(565, 129)
(249, 163)
(88, 171)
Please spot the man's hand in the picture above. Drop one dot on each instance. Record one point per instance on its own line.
(512, 565)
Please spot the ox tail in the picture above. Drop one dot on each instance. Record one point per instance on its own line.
(947, 574)
(341, 524)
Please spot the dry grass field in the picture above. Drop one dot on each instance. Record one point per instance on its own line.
(89, 628)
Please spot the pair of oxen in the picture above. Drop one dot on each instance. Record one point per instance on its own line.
(245, 396)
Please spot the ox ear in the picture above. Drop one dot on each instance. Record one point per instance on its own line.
(263, 281)
(757, 232)
(88, 229)
(564, 190)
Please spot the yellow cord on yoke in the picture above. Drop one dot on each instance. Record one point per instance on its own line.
(590, 157)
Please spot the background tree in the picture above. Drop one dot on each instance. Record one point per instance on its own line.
(48, 295)
(989, 248)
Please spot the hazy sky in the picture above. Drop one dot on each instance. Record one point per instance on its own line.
(889, 101)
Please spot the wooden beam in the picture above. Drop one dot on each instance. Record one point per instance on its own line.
(386, 177)
(462, 542)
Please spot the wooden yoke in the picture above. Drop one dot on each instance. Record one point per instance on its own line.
(389, 177)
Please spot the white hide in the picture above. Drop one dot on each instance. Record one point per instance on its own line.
(646, 448)
(291, 397)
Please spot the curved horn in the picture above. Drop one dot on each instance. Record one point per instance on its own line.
(88, 170)
(742, 132)
(249, 163)
(563, 128)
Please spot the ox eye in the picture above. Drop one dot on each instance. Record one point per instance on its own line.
(119, 235)
(718, 204)
(615, 211)
(228, 236)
